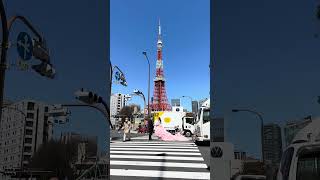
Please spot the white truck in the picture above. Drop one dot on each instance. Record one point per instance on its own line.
(188, 124)
(176, 120)
(301, 159)
(202, 124)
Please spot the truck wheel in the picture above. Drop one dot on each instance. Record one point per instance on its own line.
(187, 134)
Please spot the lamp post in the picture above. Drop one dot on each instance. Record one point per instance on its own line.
(145, 54)
(261, 128)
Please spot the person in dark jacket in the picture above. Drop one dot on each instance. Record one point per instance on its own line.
(150, 128)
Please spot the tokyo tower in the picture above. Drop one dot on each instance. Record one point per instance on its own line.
(160, 101)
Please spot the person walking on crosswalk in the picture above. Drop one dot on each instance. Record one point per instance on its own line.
(150, 128)
(126, 129)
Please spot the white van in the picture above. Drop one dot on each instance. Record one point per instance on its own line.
(301, 160)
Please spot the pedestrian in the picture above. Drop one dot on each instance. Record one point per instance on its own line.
(140, 130)
(126, 129)
(150, 128)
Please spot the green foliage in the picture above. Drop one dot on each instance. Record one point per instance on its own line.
(55, 156)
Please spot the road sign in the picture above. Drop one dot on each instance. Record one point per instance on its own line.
(24, 46)
(117, 76)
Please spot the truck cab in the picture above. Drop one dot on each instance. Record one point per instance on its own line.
(301, 159)
(202, 125)
(188, 122)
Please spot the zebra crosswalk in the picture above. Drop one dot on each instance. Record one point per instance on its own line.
(144, 160)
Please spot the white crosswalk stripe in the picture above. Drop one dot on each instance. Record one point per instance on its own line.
(156, 159)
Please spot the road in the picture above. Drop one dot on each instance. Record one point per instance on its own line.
(146, 160)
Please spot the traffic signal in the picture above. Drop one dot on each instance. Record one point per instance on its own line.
(45, 69)
(88, 97)
(40, 51)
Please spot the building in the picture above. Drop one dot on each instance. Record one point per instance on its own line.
(117, 102)
(272, 143)
(87, 146)
(175, 102)
(293, 127)
(195, 107)
(24, 127)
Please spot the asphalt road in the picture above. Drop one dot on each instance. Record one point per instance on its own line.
(205, 152)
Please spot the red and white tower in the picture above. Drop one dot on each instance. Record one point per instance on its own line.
(160, 101)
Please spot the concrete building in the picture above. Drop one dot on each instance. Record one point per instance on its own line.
(195, 107)
(272, 143)
(87, 146)
(293, 127)
(24, 127)
(117, 102)
(175, 102)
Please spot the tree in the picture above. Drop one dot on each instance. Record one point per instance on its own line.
(56, 156)
(129, 111)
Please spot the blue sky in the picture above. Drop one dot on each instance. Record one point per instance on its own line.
(266, 59)
(185, 35)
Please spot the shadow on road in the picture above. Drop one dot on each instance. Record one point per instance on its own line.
(162, 166)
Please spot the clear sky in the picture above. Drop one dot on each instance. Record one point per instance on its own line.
(185, 35)
(76, 34)
(266, 59)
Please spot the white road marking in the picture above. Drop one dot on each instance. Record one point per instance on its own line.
(154, 144)
(150, 142)
(162, 174)
(157, 157)
(146, 146)
(156, 149)
(163, 164)
(155, 152)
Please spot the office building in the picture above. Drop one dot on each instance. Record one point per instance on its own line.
(195, 107)
(87, 146)
(175, 102)
(24, 127)
(117, 102)
(272, 143)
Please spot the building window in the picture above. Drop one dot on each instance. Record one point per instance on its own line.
(30, 115)
(28, 132)
(28, 140)
(30, 106)
(26, 157)
(46, 109)
(29, 123)
(27, 149)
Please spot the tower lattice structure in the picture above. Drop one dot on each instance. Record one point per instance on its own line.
(160, 101)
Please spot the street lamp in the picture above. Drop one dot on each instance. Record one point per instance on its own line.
(261, 121)
(145, 54)
(139, 93)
